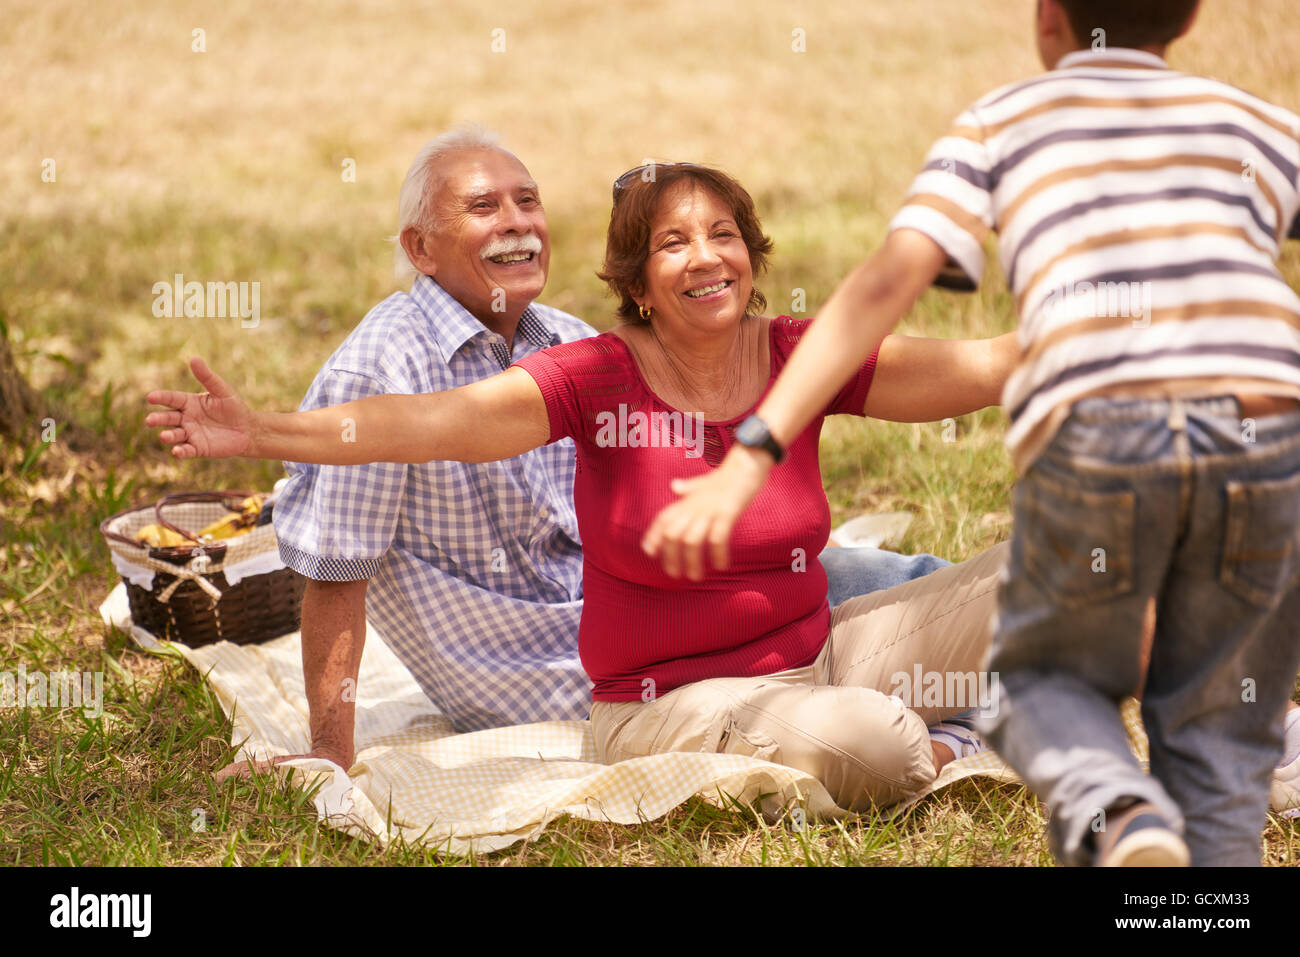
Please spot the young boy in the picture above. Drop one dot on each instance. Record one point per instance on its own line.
(1154, 424)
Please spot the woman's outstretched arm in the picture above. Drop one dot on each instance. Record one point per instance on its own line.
(925, 380)
(495, 418)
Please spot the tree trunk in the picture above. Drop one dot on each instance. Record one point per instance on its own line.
(19, 403)
(22, 410)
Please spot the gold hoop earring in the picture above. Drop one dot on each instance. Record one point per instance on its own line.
(645, 312)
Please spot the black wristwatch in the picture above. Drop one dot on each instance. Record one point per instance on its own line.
(755, 434)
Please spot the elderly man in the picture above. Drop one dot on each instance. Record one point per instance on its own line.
(472, 573)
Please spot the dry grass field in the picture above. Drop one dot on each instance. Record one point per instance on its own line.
(231, 164)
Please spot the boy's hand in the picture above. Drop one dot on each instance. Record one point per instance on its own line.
(706, 515)
(215, 424)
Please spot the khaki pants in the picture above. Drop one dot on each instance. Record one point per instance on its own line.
(835, 718)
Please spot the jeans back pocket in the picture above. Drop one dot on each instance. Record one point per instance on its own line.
(1261, 540)
(1078, 544)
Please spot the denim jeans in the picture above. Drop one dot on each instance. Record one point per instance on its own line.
(860, 571)
(1186, 502)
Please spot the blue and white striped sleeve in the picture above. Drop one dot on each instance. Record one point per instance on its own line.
(951, 202)
(1294, 231)
(335, 522)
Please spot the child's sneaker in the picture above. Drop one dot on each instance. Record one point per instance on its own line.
(1140, 837)
(959, 734)
(1284, 793)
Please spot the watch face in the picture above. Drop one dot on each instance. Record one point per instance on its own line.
(752, 432)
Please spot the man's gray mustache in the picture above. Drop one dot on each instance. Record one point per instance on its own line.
(500, 247)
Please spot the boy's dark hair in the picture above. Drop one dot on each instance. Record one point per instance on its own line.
(1128, 23)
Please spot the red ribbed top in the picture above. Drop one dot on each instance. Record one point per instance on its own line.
(768, 611)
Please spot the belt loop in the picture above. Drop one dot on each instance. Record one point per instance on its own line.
(1177, 415)
(1182, 444)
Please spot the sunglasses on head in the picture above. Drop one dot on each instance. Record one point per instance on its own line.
(639, 172)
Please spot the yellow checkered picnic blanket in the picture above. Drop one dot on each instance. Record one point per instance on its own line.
(417, 780)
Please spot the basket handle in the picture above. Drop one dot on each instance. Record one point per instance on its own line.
(175, 498)
(183, 498)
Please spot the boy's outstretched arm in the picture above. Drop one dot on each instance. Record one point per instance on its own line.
(858, 315)
(495, 418)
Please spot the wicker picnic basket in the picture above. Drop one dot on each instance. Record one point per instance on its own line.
(234, 589)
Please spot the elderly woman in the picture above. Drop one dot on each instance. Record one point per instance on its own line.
(683, 656)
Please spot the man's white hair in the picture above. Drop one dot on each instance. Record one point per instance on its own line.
(415, 202)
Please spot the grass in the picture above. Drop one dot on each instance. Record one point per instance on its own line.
(225, 165)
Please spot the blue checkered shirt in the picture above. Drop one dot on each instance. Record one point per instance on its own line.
(475, 569)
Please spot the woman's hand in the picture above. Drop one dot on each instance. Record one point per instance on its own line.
(708, 512)
(215, 424)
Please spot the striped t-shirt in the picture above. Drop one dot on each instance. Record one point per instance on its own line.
(1140, 214)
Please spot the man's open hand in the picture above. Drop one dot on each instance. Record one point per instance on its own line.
(214, 424)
